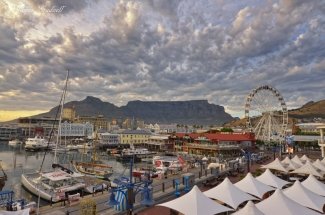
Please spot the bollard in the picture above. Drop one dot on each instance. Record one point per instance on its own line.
(67, 212)
(174, 183)
(93, 191)
(163, 186)
(102, 188)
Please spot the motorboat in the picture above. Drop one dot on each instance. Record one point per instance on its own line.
(15, 142)
(136, 151)
(53, 186)
(36, 143)
(165, 163)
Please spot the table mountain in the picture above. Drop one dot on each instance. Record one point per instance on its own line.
(199, 112)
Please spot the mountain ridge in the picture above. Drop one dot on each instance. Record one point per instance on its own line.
(181, 112)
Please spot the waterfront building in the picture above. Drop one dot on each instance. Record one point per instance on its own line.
(226, 143)
(109, 138)
(160, 143)
(311, 127)
(32, 126)
(70, 130)
(136, 137)
(98, 122)
(9, 131)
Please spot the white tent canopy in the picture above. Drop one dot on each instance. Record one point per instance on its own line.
(289, 164)
(304, 158)
(205, 159)
(195, 203)
(270, 179)
(213, 165)
(249, 209)
(300, 194)
(276, 165)
(278, 203)
(251, 185)
(228, 193)
(312, 184)
(297, 160)
(309, 169)
(318, 164)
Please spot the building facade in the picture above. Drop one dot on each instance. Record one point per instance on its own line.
(160, 143)
(69, 129)
(136, 137)
(69, 113)
(98, 122)
(109, 138)
(213, 143)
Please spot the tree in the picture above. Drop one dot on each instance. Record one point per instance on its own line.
(226, 130)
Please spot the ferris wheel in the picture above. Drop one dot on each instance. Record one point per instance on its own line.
(266, 114)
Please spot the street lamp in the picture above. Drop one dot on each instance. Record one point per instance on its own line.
(129, 190)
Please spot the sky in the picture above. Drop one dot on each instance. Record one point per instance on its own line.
(159, 50)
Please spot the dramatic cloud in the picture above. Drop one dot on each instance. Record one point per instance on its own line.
(160, 50)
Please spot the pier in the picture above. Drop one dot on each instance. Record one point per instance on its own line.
(163, 190)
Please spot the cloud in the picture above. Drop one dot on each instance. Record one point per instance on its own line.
(164, 50)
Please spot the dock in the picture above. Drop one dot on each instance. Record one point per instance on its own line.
(163, 190)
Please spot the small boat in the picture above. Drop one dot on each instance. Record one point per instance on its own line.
(168, 163)
(15, 142)
(98, 170)
(37, 143)
(53, 186)
(142, 173)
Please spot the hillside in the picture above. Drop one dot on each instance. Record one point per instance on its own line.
(307, 112)
(182, 112)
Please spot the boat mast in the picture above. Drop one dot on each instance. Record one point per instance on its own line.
(58, 137)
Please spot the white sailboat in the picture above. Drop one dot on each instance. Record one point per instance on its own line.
(54, 185)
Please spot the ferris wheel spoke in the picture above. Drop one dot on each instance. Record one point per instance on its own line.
(266, 113)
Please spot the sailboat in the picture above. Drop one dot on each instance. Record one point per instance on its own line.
(57, 184)
(94, 168)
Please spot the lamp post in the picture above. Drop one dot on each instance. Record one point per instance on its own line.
(129, 190)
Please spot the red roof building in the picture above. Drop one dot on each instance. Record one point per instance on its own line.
(213, 143)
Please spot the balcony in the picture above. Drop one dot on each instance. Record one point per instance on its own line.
(214, 146)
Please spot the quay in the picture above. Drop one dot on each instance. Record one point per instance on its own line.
(163, 190)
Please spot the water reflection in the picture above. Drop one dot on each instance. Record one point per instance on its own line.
(16, 161)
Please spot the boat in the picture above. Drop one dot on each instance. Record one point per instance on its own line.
(15, 142)
(94, 168)
(98, 170)
(133, 153)
(36, 143)
(165, 163)
(143, 173)
(53, 186)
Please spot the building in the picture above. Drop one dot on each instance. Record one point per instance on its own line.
(9, 131)
(136, 137)
(321, 141)
(71, 130)
(32, 126)
(99, 122)
(160, 143)
(109, 138)
(311, 127)
(69, 113)
(225, 143)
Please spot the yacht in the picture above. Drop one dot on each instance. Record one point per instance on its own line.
(35, 144)
(15, 142)
(53, 186)
(133, 153)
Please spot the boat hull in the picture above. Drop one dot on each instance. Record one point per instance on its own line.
(31, 188)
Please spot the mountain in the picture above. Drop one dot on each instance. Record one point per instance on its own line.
(199, 112)
(307, 112)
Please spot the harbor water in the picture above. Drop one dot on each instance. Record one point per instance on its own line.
(16, 161)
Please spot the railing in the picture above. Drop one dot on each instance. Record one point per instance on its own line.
(210, 146)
